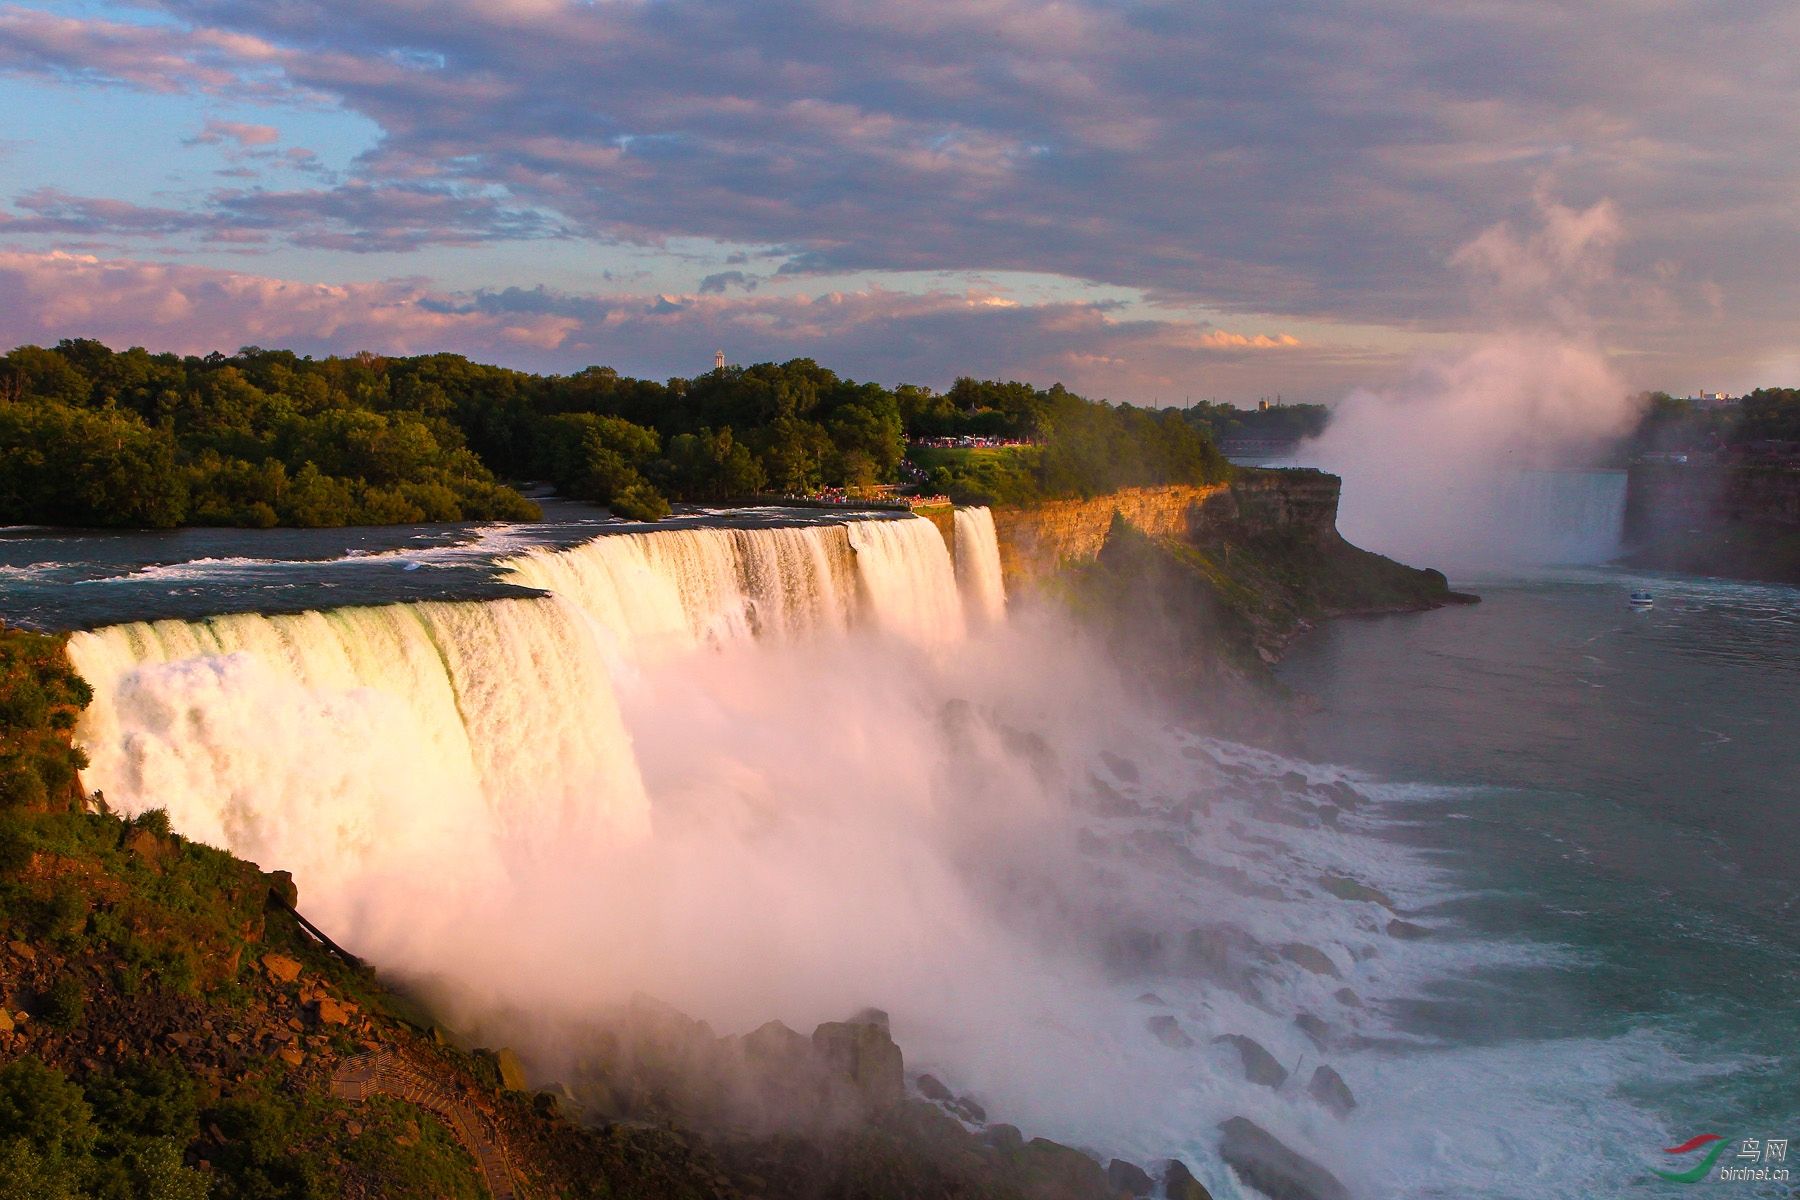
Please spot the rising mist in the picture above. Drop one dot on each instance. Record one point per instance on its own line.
(1479, 457)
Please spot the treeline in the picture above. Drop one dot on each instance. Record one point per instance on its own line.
(1676, 423)
(1278, 422)
(89, 436)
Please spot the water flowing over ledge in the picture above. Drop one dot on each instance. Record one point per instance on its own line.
(399, 728)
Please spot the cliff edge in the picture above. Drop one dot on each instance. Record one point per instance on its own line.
(1201, 589)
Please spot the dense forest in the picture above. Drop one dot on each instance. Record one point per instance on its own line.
(89, 436)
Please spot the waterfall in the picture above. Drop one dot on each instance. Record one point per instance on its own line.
(330, 741)
(978, 565)
(908, 580)
(667, 592)
(1489, 519)
(775, 773)
(1564, 517)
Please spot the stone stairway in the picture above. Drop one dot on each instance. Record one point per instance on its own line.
(385, 1073)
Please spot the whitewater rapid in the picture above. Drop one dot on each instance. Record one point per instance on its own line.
(791, 771)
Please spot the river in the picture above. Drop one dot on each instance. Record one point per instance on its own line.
(1619, 791)
(773, 764)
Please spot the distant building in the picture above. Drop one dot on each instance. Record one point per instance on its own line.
(1713, 400)
(718, 360)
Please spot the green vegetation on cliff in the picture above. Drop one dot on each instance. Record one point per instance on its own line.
(1088, 450)
(267, 437)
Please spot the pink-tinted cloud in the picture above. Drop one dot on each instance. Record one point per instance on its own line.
(874, 333)
(157, 58)
(237, 132)
(1317, 160)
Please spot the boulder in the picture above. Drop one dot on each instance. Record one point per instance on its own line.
(1179, 1183)
(1315, 1028)
(329, 1012)
(871, 1016)
(145, 845)
(282, 887)
(1263, 1162)
(932, 1088)
(1346, 888)
(1260, 1067)
(1003, 1137)
(559, 1099)
(1129, 1178)
(1330, 1090)
(512, 1071)
(1347, 998)
(6, 1021)
(1406, 931)
(969, 1110)
(1168, 1031)
(281, 968)
(1309, 958)
(866, 1054)
(1104, 800)
(1220, 951)
(774, 1044)
(1062, 1170)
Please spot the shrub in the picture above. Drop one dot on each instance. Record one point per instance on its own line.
(153, 820)
(21, 786)
(64, 1006)
(65, 914)
(41, 1108)
(15, 846)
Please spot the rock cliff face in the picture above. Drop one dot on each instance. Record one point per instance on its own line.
(1039, 540)
(1703, 519)
(1198, 590)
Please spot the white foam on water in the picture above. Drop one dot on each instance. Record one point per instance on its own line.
(789, 772)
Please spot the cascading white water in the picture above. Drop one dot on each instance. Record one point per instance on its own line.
(978, 565)
(907, 579)
(332, 742)
(669, 592)
(329, 740)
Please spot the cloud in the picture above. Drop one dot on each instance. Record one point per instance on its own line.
(874, 333)
(218, 132)
(354, 216)
(1315, 161)
(716, 284)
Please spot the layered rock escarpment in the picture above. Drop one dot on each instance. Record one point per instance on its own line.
(1711, 519)
(1038, 540)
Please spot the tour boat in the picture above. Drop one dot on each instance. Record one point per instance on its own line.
(1642, 599)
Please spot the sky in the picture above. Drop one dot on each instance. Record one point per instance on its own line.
(1150, 202)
